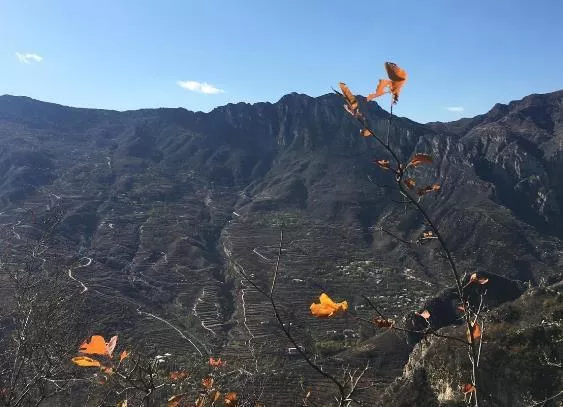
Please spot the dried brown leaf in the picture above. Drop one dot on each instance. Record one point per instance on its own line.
(383, 164)
(420, 158)
(410, 183)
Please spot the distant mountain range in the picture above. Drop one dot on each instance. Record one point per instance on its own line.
(168, 204)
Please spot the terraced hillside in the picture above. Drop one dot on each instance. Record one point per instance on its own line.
(157, 211)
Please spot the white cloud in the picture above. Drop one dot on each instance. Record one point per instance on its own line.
(456, 109)
(200, 87)
(27, 58)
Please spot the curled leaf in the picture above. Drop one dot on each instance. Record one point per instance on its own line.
(124, 354)
(424, 314)
(468, 388)
(231, 399)
(419, 159)
(397, 78)
(216, 362)
(328, 308)
(380, 90)
(207, 382)
(366, 132)
(410, 183)
(383, 323)
(351, 105)
(383, 164)
(122, 403)
(428, 188)
(349, 96)
(395, 73)
(478, 280)
(428, 235)
(97, 346)
(85, 361)
(475, 330)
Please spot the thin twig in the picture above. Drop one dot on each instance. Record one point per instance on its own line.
(270, 297)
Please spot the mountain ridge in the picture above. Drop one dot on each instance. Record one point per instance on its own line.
(169, 204)
(497, 106)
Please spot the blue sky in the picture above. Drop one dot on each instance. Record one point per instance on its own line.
(130, 54)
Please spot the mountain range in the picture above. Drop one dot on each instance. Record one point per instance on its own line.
(158, 211)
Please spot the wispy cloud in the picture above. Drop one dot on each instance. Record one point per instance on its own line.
(28, 58)
(455, 109)
(200, 87)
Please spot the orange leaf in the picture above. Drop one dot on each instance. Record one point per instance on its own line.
(178, 375)
(383, 164)
(476, 330)
(231, 399)
(475, 279)
(351, 105)
(467, 388)
(207, 382)
(398, 77)
(380, 90)
(123, 355)
(428, 235)
(425, 314)
(216, 362)
(395, 73)
(420, 158)
(428, 188)
(85, 361)
(328, 308)
(366, 132)
(96, 346)
(383, 323)
(348, 96)
(410, 183)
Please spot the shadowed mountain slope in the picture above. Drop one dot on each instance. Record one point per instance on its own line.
(156, 210)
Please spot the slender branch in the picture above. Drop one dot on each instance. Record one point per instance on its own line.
(372, 305)
(399, 173)
(415, 331)
(395, 236)
(277, 315)
(174, 328)
(389, 126)
(275, 276)
(547, 399)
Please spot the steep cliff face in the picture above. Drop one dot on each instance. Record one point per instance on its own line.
(518, 148)
(520, 363)
(166, 203)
